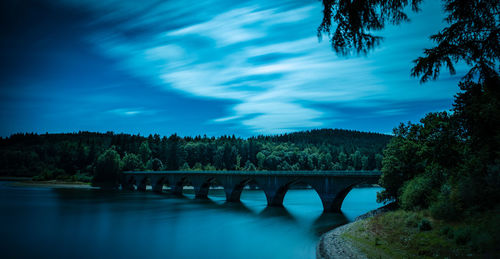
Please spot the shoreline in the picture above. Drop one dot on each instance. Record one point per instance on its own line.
(28, 182)
(332, 245)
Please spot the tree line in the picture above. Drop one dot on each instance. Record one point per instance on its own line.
(449, 162)
(87, 156)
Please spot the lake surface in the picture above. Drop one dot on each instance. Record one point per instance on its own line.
(82, 223)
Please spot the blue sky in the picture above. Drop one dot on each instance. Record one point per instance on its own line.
(204, 67)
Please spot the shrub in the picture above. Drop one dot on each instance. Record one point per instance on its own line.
(156, 164)
(412, 220)
(49, 174)
(462, 235)
(447, 231)
(131, 162)
(416, 193)
(82, 178)
(445, 207)
(482, 241)
(424, 225)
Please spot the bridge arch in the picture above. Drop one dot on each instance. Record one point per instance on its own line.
(233, 192)
(276, 194)
(158, 182)
(305, 185)
(177, 184)
(333, 198)
(202, 186)
(141, 182)
(128, 183)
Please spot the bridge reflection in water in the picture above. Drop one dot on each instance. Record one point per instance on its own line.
(331, 186)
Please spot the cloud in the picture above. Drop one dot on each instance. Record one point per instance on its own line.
(262, 55)
(128, 112)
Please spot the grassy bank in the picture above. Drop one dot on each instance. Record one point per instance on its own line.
(403, 234)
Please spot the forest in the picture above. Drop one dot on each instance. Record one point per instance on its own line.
(87, 156)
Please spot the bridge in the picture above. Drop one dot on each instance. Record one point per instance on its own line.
(331, 186)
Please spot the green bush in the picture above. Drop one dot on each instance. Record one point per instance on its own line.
(416, 193)
(445, 207)
(131, 162)
(424, 225)
(412, 220)
(462, 235)
(49, 174)
(81, 178)
(63, 177)
(156, 164)
(446, 231)
(482, 241)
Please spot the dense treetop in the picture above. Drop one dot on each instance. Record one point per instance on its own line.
(83, 155)
(448, 163)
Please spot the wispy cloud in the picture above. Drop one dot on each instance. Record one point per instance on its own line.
(127, 112)
(262, 55)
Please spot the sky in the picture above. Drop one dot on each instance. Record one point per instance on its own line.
(205, 67)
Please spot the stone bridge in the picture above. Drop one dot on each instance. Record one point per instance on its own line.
(331, 186)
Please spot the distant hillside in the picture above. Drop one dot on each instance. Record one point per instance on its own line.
(73, 156)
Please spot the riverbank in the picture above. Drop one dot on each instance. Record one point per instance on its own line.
(333, 244)
(409, 234)
(28, 182)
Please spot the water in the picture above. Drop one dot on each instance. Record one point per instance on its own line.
(81, 223)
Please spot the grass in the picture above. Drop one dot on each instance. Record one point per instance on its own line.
(408, 234)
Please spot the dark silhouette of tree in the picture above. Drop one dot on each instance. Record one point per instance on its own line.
(354, 21)
(448, 163)
(131, 162)
(471, 37)
(156, 164)
(107, 169)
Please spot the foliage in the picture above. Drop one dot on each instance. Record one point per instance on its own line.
(448, 161)
(131, 162)
(412, 234)
(156, 164)
(66, 155)
(471, 37)
(416, 192)
(424, 225)
(355, 20)
(107, 168)
(437, 164)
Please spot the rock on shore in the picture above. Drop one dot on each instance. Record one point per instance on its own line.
(332, 245)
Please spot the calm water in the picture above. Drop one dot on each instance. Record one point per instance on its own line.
(76, 223)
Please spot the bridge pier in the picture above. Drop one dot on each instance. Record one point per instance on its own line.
(127, 183)
(233, 193)
(233, 186)
(140, 182)
(274, 198)
(176, 189)
(201, 186)
(275, 189)
(332, 192)
(157, 183)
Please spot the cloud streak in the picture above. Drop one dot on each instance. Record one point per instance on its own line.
(263, 56)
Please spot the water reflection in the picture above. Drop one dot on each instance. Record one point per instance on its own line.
(96, 223)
